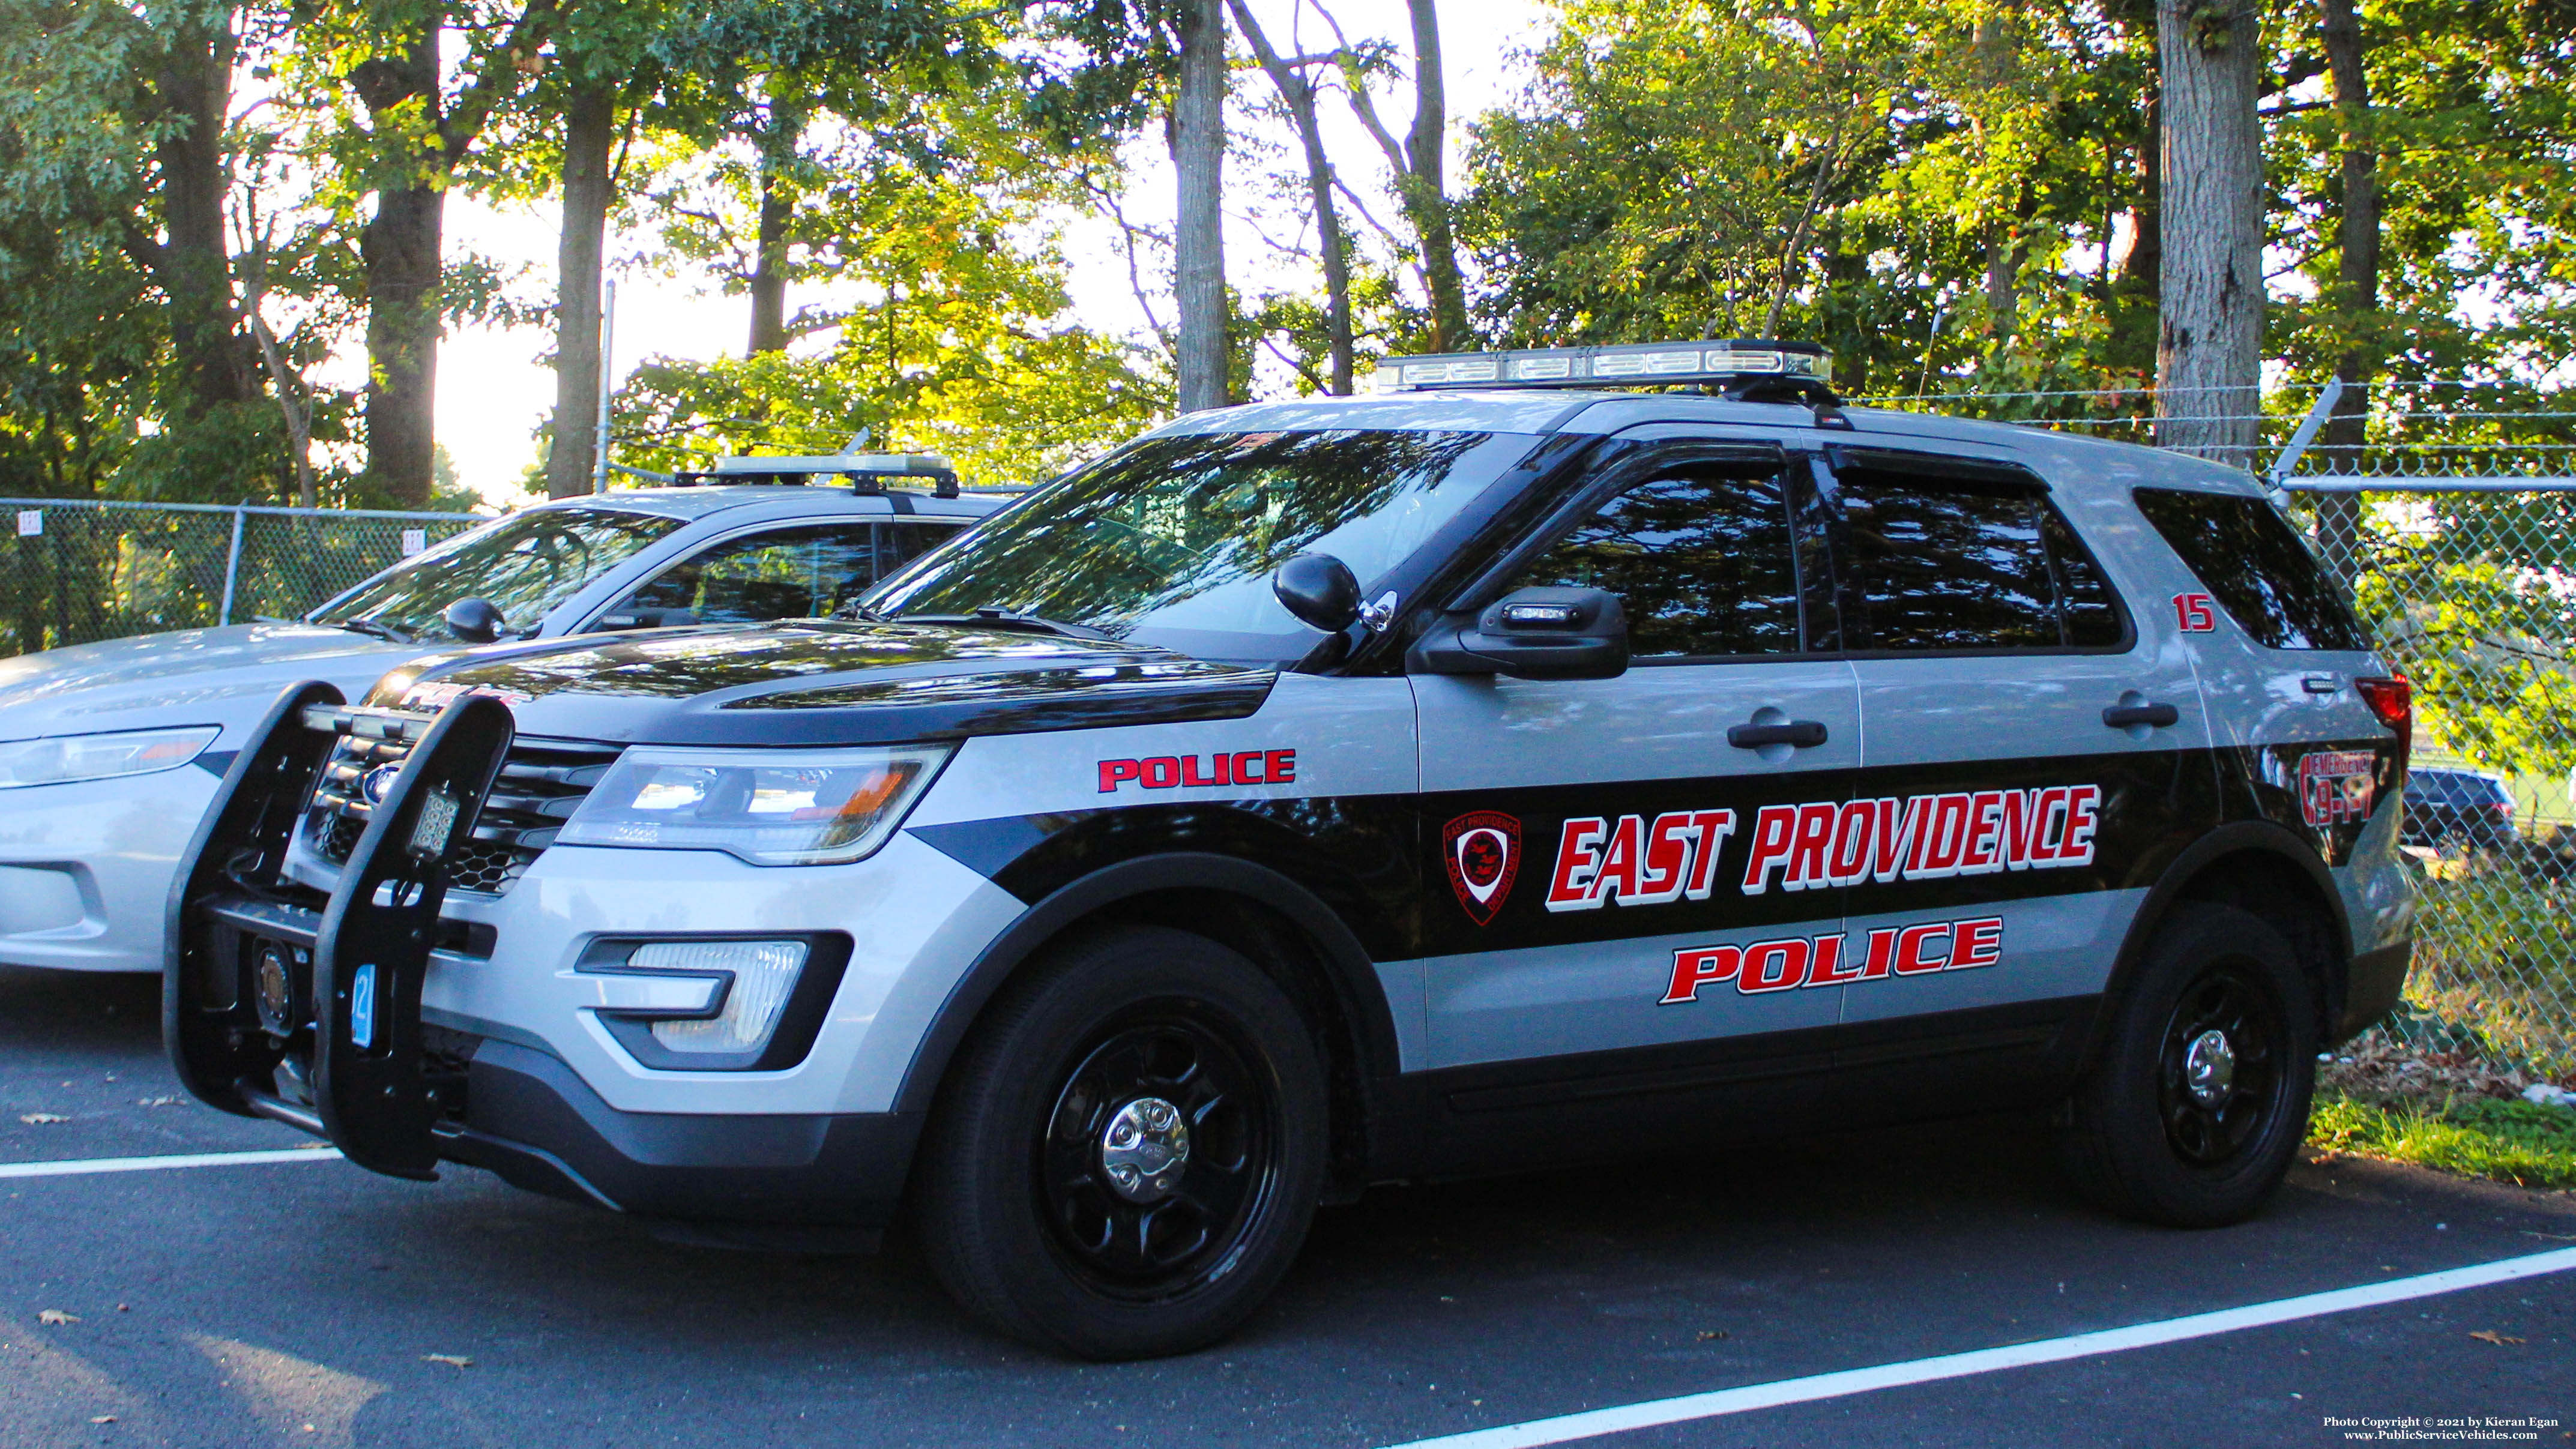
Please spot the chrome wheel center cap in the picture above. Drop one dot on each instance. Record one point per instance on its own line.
(2209, 1068)
(1144, 1149)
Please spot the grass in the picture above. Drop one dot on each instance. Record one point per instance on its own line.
(2510, 1141)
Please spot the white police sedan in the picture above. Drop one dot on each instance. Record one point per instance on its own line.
(109, 752)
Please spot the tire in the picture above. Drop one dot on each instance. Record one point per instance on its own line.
(1049, 1200)
(2144, 1142)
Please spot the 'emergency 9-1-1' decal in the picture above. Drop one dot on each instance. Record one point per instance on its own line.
(1823, 844)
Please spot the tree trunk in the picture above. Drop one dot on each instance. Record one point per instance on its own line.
(2144, 271)
(769, 263)
(590, 131)
(1198, 153)
(2003, 283)
(400, 250)
(2355, 303)
(194, 259)
(1298, 94)
(1426, 195)
(2210, 330)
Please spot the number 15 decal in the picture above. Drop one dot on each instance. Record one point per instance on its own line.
(2192, 612)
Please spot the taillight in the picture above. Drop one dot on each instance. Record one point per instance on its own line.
(2393, 701)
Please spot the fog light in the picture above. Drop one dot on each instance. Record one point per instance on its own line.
(764, 974)
(274, 980)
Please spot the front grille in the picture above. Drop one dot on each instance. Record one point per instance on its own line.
(542, 782)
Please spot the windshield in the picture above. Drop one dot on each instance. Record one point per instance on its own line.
(1172, 541)
(523, 565)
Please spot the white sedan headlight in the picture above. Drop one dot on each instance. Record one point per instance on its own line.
(768, 807)
(66, 758)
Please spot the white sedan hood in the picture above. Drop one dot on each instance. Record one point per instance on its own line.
(221, 676)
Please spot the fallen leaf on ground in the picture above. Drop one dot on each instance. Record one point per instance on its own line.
(456, 1359)
(56, 1315)
(39, 1119)
(2489, 1335)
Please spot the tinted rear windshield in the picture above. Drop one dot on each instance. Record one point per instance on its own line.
(2250, 559)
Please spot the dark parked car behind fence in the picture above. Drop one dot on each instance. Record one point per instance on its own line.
(2453, 809)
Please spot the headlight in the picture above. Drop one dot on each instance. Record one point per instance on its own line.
(66, 758)
(768, 807)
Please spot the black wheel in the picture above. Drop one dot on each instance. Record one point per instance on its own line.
(1127, 1153)
(2200, 1099)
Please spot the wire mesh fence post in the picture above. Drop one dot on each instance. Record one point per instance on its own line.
(232, 571)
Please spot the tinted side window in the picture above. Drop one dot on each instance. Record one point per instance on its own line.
(1939, 564)
(897, 544)
(2085, 600)
(788, 573)
(1701, 562)
(2255, 565)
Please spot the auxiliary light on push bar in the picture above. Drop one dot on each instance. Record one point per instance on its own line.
(1628, 365)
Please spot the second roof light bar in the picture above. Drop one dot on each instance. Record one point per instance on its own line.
(1737, 362)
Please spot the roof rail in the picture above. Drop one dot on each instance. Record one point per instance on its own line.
(1749, 369)
(866, 473)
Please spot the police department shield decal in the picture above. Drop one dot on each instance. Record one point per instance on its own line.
(1483, 851)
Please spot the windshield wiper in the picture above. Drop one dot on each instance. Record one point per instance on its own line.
(991, 618)
(373, 629)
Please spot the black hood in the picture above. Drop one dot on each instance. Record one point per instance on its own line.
(820, 682)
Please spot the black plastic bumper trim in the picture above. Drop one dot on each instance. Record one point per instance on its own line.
(534, 1121)
(2377, 979)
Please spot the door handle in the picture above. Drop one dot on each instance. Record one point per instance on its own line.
(1806, 734)
(2121, 716)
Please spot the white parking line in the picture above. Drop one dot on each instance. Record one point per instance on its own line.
(83, 1166)
(1569, 1427)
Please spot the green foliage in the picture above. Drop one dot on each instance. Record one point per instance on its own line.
(939, 334)
(2484, 636)
(1837, 172)
(2474, 114)
(2517, 1142)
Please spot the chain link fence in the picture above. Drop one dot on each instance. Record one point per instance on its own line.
(73, 571)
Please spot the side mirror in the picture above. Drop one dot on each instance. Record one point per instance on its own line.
(1532, 634)
(474, 621)
(1320, 590)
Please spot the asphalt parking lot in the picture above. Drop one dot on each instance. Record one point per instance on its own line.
(310, 1303)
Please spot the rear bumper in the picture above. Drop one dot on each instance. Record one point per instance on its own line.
(532, 1120)
(2378, 978)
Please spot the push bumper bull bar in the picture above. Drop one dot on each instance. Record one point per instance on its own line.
(269, 996)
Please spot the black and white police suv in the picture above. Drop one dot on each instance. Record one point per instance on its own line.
(1500, 770)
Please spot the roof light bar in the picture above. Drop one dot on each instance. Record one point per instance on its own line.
(865, 472)
(1739, 360)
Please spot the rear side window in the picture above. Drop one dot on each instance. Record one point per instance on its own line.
(2256, 566)
(1945, 564)
(1700, 561)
